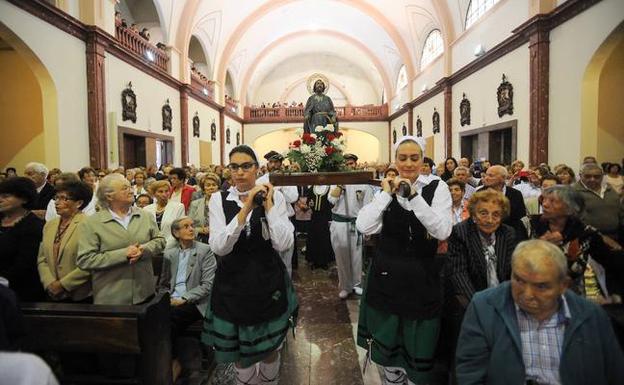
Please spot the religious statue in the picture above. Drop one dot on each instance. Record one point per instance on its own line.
(404, 130)
(394, 136)
(227, 135)
(436, 121)
(238, 138)
(128, 104)
(167, 117)
(418, 126)
(196, 125)
(319, 109)
(464, 111)
(504, 94)
(213, 131)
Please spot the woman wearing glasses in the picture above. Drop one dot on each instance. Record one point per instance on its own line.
(252, 303)
(59, 274)
(400, 307)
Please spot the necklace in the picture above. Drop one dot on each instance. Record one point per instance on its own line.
(60, 231)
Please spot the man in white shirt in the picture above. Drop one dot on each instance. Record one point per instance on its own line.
(529, 185)
(345, 239)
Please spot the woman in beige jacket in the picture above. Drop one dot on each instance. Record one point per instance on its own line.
(61, 278)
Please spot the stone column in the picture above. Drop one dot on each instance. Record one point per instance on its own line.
(448, 118)
(222, 134)
(184, 129)
(410, 120)
(539, 58)
(96, 98)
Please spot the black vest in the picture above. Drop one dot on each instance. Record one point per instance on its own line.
(404, 277)
(249, 286)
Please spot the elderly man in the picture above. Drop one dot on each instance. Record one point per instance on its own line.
(495, 178)
(533, 331)
(45, 192)
(291, 195)
(529, 185)
(462, 173)
(117, 244)
(603, 208)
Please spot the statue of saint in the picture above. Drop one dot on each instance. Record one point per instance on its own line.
(319, 109)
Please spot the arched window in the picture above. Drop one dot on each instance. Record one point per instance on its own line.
(434, 46)
(401, 79)
(476, 9)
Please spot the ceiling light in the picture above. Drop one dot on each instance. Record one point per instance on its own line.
(424, 88)
(205, 91)
(479, 50)
(150, 55)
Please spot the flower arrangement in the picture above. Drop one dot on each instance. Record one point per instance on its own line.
(318, 151)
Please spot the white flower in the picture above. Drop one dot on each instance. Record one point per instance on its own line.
(318, 128)
(305, 149)
(329, 127)
(313, 136)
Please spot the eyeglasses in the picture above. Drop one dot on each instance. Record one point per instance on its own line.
(245, 166)
(63, 198)
(496, 215)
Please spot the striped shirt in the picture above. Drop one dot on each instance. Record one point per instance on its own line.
(542, 343)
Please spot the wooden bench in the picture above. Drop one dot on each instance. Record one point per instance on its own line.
(142, 331)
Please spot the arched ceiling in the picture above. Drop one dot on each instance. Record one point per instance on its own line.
(250, 38)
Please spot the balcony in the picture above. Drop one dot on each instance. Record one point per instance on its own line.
(295, 114)
(231, 104)
(138, 45)
(202, 85)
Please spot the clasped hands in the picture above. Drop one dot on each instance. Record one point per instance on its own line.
(134, 253)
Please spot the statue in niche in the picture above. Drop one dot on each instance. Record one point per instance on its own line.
(167, 117)
(319, 109)
(227, 135)
(418, 126)
(238, 138)
(436, 121)
(128, 104)
(504, 94)
(404, 130)
(196, 125)
(464, 111)
(394, 136)
(213, 131)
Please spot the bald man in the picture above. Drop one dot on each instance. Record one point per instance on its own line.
(495, 178)
(533, 330)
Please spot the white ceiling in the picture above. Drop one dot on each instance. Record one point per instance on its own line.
(377, 36)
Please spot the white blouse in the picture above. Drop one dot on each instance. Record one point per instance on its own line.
(224, 235)
(435, 218)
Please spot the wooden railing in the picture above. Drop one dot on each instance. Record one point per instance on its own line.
(231, 105)
(137, 44)
(201, 84)
(295, 114)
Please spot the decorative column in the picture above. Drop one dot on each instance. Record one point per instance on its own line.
(184, 129)
(96, 99)
(410, 119)
(222, 134)
(539, 57)
(448, 117)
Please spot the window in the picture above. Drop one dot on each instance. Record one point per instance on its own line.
(434, 46)
(402, 79)
(476, 9)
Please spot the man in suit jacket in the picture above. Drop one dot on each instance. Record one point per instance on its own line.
(495, 178)
(38, 173)
(187, 274)
(500, 340)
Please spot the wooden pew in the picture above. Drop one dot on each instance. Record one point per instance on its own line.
(142, 331)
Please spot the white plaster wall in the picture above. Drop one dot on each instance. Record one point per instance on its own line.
(68, 72)
(206, 116)
(349, 77)
(425, 110)
(378, 129)
(493, 28)
(151, 95)
(572, 46)
(480, 89)
(397, 124)
(429, 76)
(234, 127)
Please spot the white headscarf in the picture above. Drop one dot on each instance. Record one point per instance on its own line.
(418, 139)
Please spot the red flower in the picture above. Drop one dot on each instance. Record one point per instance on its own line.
(338, 134)
(331, 137)
(329, 150)
(296, 143)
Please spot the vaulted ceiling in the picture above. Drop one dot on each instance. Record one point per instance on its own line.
(250, 38)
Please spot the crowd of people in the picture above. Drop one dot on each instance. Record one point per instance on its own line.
(278, 104)
(514, 273)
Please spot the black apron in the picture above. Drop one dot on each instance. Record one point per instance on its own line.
(249, 286)
(404, 276)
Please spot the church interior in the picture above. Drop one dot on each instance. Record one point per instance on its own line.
(151, 87)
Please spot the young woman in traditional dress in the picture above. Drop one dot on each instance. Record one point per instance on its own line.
(400, 309)
(253, 303)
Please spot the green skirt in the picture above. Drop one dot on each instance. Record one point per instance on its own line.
(249, 344)
(392, 340)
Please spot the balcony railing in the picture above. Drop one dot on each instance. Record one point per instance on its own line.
(203, 85)
(295, 114)
(137, 44)
(231, 104)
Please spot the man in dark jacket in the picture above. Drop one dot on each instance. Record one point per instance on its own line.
(533, 330)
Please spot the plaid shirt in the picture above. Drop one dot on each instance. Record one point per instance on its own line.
(542, 343)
